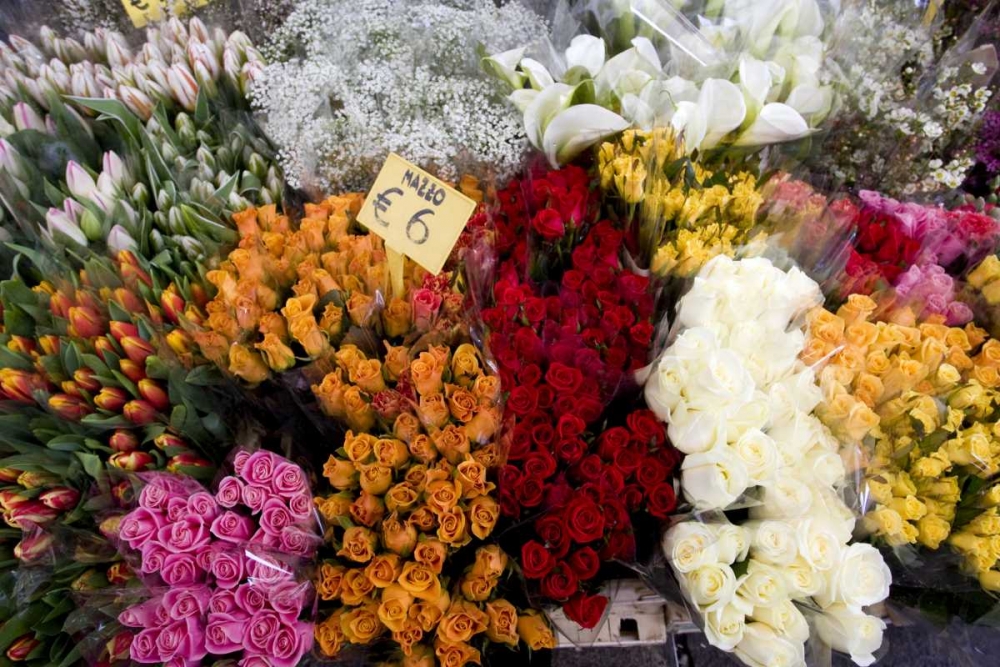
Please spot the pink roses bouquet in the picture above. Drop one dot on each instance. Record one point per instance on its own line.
(222, 567)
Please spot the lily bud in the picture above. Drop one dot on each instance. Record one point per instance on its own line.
(60, 498)
(123, 441)
(183, 85)
(85, 378)
(111, 399)
(140, 413)
(79, 181)
(22, 647)
(186, 460)
(33, 547)
(103, 346)
(137, 102)
(70, 408)
(131, 461)
(154, 393)
(133, 371)
(9, 476)
(85, 322)
(136, 349)
(172, 304)
(31, 513)
(26, 118)
(120, 329)
(61, 225)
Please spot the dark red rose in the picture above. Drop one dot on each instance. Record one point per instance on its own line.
(589, 362)
(509, 505)
(572, 280)
(588, 408)
(522, 400)
(546, 396)
(633, 497)
(584, 259)
(570, 450)
(871, 233)
(616, 356)
(570, 426)
(632, 287)
(589, 468)
(603, 275)
(584, 520)
(560, 583)
(661, 500)
(539, 464)
(612, 479)
(530, 491)
(558, 494)
(530, 375)
(536, 561)
(527, 344)
(521, 443)
(608, 301)
(585, 563)
(651, 472)
(594, 491)
(552, 531)
(535, 310)
(627, 460)
(549, 225)
(586, 610)
(611, 441)
(542, 434)
(563, 379)
(647, 428)
(620, 546)
(670, 457)
(508, 477)
(641, 334)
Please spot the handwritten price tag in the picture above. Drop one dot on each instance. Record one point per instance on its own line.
(144, 12)
(416, 214)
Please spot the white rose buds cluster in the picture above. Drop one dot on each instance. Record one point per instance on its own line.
(739, 404)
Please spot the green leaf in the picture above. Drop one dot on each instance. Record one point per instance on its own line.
(113, 109)
(94, 363)
(227, 188)
(20, 624)
(66, 443)
(177, 418)
(54, 195)
(92, 464)
(202, 376)
(201, 110)
(71, 358)
(11, 359)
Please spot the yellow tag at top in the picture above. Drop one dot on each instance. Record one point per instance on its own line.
(144, 12)
(931, 13)
(416, 214)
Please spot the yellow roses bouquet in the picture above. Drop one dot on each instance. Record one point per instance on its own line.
(925, 399)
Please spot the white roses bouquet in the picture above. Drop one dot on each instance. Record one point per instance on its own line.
(739, 404)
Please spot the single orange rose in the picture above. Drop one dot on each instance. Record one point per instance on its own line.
(502, 626)
(383, 570)
(358, 544)
(361, 625)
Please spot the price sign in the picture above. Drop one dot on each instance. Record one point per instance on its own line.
(416, 214)
(144, 12)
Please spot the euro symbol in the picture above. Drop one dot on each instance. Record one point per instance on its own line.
(383, 202)
(140, 4)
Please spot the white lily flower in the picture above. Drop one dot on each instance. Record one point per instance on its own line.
(543, 108)
(720, 109)
(523, 98)
(776, 123)
(577, 128)
(812, 102)
(588, 52)
(503, 66)
(616, 77)
(538, 75)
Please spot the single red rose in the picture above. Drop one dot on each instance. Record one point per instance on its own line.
(620, 546)
(570, 450)
(528, 345)
(588, 408)
(627, 460)
(536, 561)
(558, 494)
(613, 480)
(661, 500)
(572, 279)
(530, 375)
(584, 259)
(521, 443)
(539, 464)
(670, 457)
(535, 310)
(530, 491)
(586, 610)
(570, 426)
(548, 224)
(604, 276)
(594, 491)
(613, 440)
(595, 338)
(563, 378)
(632, 287)
(508, 477)
(651, 472)
(647, 428)
(607, 301)
(542, 435)
(641, 334)
(589, 468)
(585, 563)
(616, 356)
(584, 520)
(546, 397)
(560, 583)
(552, 531)
(589, 362)
(633, 497)
(616, 517)
(509, 504)
(522, 400)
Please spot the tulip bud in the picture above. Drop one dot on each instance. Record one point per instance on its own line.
(70, 408)
(71, 388)
(31, 513)
(133, 371)
(60, 226)
(180, 342)
(49, 344)
(124, 493)
(116, 170)
(123, 441)
(11, 499)
(85, 378)
(91, 580)
(137, 102)
(169, 441)
(33, 547)
(140, 412)
(109, 527)
(10, 160)
(19, 385)
(135, 461)
(103, 346)
(183, 85)
(118, 575)
(79, 181)
(133, 275)
(137, 349)
(172, 304)
(186, 460)
(154, 393)
(9, 475)
(21, 345)
(119, 239)
(31, 479)
(119, 329)
(111, 399)
(91, 227)
(127, 300)
(60, 304)
(85, 322)
(60, 498)
(22, 647)
(26, 118)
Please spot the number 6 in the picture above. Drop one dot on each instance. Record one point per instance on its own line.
(416, 220)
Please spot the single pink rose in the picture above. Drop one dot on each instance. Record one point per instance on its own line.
(203, 557)
(299, 542)
(154, 497)
(268, 570)
(289, 598)
(239, 461)
(259, 468)
(230, 492)
(275, 516)
(178, 661)
(154, 556)
(260, 630)
(253, 660)
(264, 538)
(142, 615)
(288, 644)
(232, 527)
(182, 602)
(203, 504)
(227, 568)
(139, 526)
(250, 598)
(223, 602)
(254, 497)
(185, 535)
(177, 508)
(183, 639)
(181, 569)
(224, 633)
(425, 304)
(289, 480)
(301, 506)
(144, 648)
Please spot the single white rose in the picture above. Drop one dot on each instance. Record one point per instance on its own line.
(694, 345)
(795, 393)
(861, 579)
(723, 384)
(801, 578)
(786, 498)
(795, 436)
(724, 627)
(830, 505)
(759, 454)
(665, 384)
(818, 542)
(850, 631)
(824, 466)
(763, 586)
(773, 542)
(786, 619)
(754, 415)
(732, 543)
(695, 431)
(711, 586)
(761, 646)
(699, 306)
(690, 545)
(713, 479)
